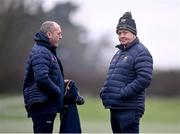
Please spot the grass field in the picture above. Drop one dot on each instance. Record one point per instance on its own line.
(161, 116)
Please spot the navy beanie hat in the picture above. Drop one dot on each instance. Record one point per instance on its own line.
(127, 23)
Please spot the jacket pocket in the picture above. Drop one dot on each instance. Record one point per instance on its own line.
(32, 95)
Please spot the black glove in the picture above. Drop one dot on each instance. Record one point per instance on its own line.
(71, 94)
(80, 100)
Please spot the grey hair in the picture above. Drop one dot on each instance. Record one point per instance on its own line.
(47, 26)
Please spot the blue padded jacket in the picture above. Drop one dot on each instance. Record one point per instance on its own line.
(43, 87)
(130, 73)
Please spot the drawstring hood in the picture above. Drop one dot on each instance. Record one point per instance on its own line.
(41, 39)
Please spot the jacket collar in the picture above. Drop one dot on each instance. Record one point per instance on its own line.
(41, 39)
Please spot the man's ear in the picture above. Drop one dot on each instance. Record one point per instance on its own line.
(48, 34)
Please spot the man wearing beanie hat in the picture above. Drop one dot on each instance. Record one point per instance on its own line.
(130, 73)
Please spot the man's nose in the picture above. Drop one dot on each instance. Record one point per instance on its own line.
(60, 37)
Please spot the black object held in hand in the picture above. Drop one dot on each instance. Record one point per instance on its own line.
(80, 100)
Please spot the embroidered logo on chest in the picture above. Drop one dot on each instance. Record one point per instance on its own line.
(125, 58)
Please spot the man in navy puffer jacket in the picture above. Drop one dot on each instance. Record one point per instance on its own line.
(129, 75)
(43, 87)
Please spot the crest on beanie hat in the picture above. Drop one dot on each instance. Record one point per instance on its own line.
(127, 23)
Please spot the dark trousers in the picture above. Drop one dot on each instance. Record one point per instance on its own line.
(125, 121)
(43, 123)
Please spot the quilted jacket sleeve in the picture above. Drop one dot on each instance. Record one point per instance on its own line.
(41, 63)
(143, 67)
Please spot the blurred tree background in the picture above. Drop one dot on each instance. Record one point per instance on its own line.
(82, 61)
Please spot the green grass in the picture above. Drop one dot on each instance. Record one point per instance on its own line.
(161, 115)
(163, 110)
